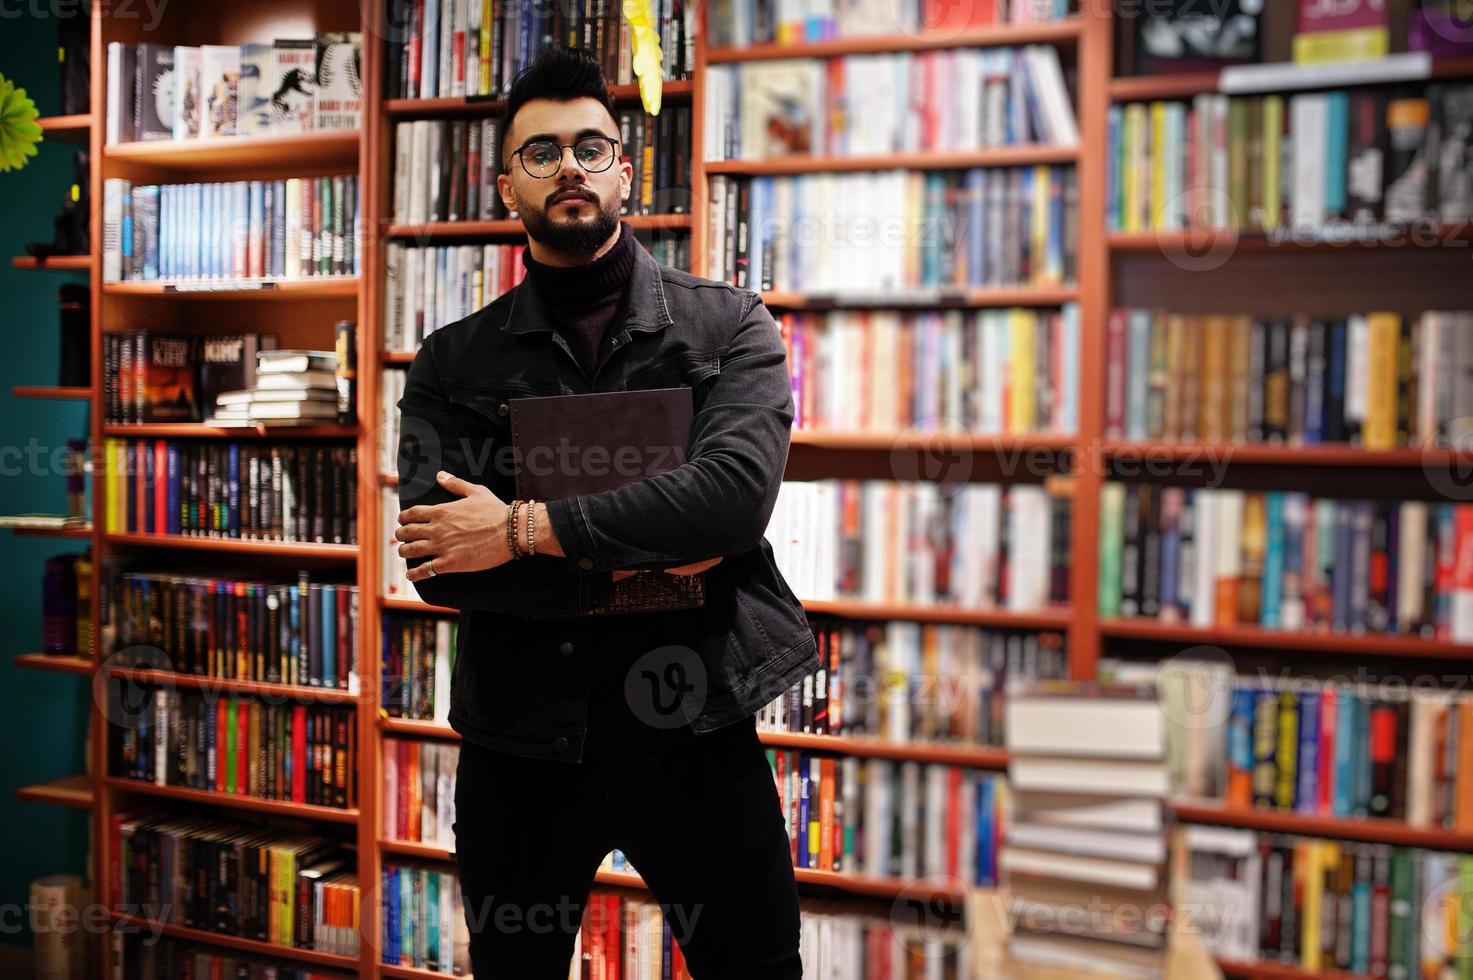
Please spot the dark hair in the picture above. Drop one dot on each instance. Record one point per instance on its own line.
(557, 73)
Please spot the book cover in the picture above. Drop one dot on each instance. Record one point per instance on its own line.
(219, 74)
(780, 109)
(338, 91)
(153, 104)
(253, 100)
(1345, 30)
(292, 83)
(1187, 36)
(186, 93)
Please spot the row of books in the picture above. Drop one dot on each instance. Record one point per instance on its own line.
(213, 91)
(974, 545)
(1367, 909)
(1308, 160)
(906, 682)
(66, 605)
(139, 958)
(427, 288)
(445, 170)
(148, 376)
(744, 22)
(985, 372)
(253, 490)
(879, 817)
(1324, 748)
(196, 740)
(285, 631)
(1377, 380)
(283, 229)
(296, 387)
(422, 920)
(873, 104)
(267, 884)
(419, 791)
(453, 48)
(1286, 561)
(417, 658)
(879, 233)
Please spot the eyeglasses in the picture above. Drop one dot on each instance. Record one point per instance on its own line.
(543, 158)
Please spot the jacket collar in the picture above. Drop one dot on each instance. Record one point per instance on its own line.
(645, 310)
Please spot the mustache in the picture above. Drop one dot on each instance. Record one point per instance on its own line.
(571, 193)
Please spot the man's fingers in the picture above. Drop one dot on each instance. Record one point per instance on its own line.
(457, 486)
(417, 514)
(412, 532)
(416, 549)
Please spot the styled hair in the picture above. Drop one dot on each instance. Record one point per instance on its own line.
(561, 74)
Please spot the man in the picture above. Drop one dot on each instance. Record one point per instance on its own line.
(629, 731)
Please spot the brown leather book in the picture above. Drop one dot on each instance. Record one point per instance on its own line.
(566, 445)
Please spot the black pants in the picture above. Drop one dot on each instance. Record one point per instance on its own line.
(699, 818)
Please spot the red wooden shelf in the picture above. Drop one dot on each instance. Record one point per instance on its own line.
(1030, 296)
(315, 149)
(415, 605)
(414, 727)
(43, 391)
(56, 663)
(247, 546)
(1043, 619)
(1255, 636)
(66, 263)
(886, 441)
(1137, 88)
(311, 287)
(1378, 831)
(199, 430)
(306, 811)
(268, 950)
(1002, 156)
(1177, 241)
(84, 531)
(405, 357)
(1328, 454)
(1059, 32)
(286, 693)
(1261, 970)
(414, 849)
(75, 129)
(943, 753)
(513, 227)
(477, 106)
(69, 791)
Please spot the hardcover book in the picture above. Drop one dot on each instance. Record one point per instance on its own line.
(622, 437)
(186, 94)
(292, 82)
(1346, 30)
(170, 387)
(219, 73)
(154, 92)
(338, 98)
(1187, 35)
(253, 105)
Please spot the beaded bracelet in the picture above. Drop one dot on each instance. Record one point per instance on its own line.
(531, 527)
(511, 529)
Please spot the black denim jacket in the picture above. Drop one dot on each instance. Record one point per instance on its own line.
(516, 686)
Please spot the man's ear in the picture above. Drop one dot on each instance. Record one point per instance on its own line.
(503, 187)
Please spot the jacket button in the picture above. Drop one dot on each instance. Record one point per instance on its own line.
(566, 648)
(503, 408)
(585, 563)
(560, 743)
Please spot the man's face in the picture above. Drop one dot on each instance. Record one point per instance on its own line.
(572, 210)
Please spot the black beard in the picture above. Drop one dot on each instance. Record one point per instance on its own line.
(580, 238)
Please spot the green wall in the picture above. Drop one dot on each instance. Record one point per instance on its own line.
(43, 716)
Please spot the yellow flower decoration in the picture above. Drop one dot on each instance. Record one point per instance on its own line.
(647, 59)
(19, 133)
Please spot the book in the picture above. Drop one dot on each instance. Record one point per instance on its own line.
(1353, 30)
(188, 95)
(253, 98)
(219, 73)
(1185, 36)
(653, 422)
(153, 98)
(337, 95)
(293, 84)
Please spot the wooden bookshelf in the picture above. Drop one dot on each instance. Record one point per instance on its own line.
(57, 263)
(54, 663)
(69, 791)
(1388, 238)
(42, 391)
(234, 801)
(76, 129)
(199, 430)
(1002, 156)
(266, 290)
(242, 546)
(215, 687)
(1140, 88)
(1263, 970)
(202, 157)
(52, 532)
(414, 605)
(1393, 832)
(1329, 454)
(266, 950)
(1027, 296)
(1256, 637)
(672, 90)
(1060, 33)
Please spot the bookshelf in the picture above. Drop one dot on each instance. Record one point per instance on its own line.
(1114, 269)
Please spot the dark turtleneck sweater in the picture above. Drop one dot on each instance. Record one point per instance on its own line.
(585, 300)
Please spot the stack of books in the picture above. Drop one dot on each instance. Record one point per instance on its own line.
(293, 387)
(1085, 849)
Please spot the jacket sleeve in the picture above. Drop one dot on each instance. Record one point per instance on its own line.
(717, 502)
(429, 441)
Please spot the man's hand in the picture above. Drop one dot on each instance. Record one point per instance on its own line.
(465, 535)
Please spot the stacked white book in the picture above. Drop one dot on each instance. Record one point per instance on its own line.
(1085, 851)
(293, 387)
